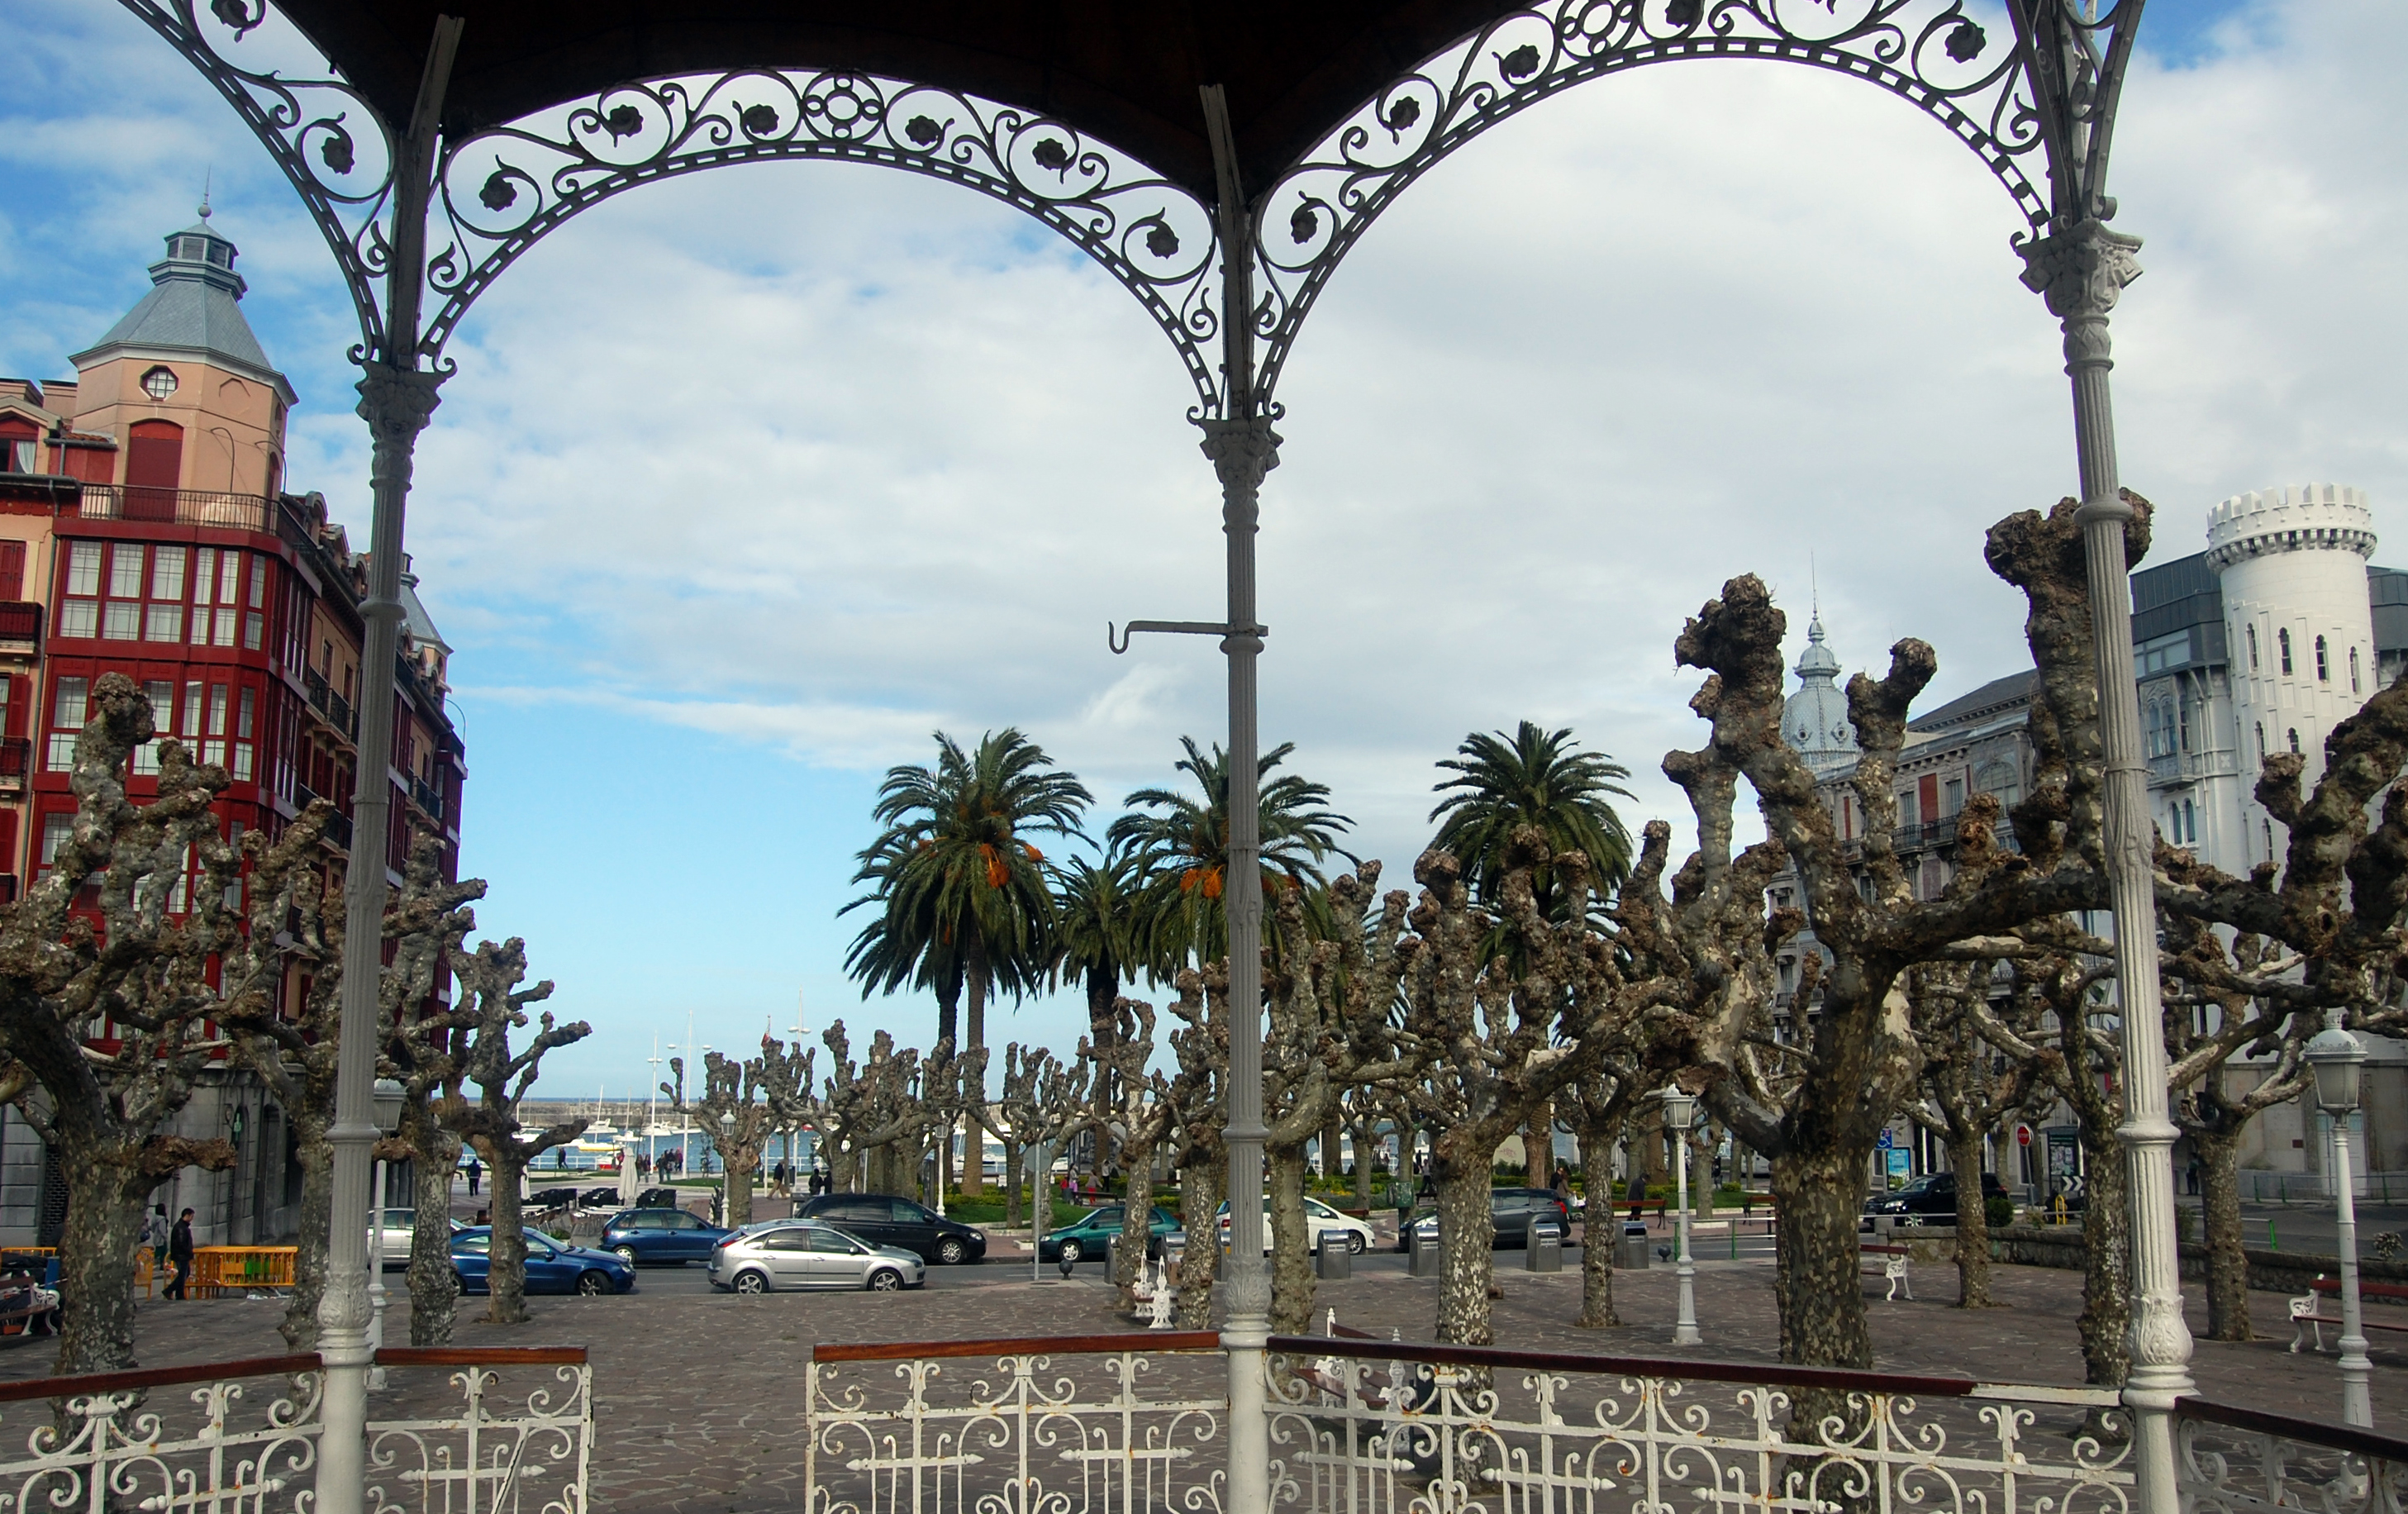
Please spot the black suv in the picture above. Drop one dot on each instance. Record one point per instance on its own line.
(883, 1220)
(1933, 1196)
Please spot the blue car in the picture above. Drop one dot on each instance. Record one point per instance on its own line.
(551, 1266)
(665, 1235)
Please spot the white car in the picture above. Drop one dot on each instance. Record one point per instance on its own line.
(1319, 1219)
(400, 1225)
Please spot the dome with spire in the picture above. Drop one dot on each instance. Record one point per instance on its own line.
(190, 312)
(1814, 721)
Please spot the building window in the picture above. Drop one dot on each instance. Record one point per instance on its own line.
(1952, 794)
(2181, 718)
(56, 828)
(2323, 668)
(163, 722)
(2253, 649)
(2000, 779)
(2269, 827)
(2353, 670)
(67, 718)
(2283, 646)
(2190, 821)
(159, 382)
(2160, 739)
(12, 571)
(2295, 741)
(2261, 743)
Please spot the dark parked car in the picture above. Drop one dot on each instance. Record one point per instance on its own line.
(883, 1220)
(1509, 1209)
(669, 1235)
(1933, 1196)
(1094, 1232)
(551, 1268)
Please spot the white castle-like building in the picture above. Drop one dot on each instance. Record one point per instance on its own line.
(2260, 644)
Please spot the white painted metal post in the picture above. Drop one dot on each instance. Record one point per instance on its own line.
(377, 1292)
(1242, 449)
(2081, 272)
(1685, 1331)
(2356, 1401)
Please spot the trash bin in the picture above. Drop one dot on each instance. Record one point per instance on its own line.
(1546, 1249)
(1631, 1256)
(1331, 1258)
(1426, 1251)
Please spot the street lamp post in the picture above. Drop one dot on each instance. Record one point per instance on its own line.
(388, 1101)
(1680, 1112)
(2340, 1060)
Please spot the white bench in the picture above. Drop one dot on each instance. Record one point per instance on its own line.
(1893, 1270)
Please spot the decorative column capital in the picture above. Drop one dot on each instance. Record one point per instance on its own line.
(2081, 273)
(397, 402)
(1242, 453)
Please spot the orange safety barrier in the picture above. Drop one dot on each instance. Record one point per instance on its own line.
(218, 1269)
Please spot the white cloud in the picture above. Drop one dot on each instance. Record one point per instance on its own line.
(821, 458)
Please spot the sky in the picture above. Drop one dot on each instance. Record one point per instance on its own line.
(749, 482)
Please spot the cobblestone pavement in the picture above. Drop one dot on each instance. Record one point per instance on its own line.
(699, 1395)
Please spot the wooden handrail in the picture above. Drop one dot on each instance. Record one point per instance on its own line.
(2339, 1437)
(168, 1377)
(1845, 1379)
(1149, 1340)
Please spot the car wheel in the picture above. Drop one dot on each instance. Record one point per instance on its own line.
(594, 1284)
(951, 1250)
(751, 1282)
(1072, 1252)
(885, 1281)
(1353, 1243)
(459, 1284)
(625, 1253)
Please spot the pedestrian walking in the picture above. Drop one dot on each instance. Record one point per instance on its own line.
(475, 1172)
(180, 1251)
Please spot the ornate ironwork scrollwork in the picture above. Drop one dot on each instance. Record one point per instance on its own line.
(498, 193)
(322, 133)
(1932, 53)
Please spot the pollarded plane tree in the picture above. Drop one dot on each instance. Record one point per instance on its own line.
(490, 996)
(1862, 1056)
(425, 1046)
(295, 1049)
(1500, 1032)
(1045, 1102)
(734, 1112)
(1133, 1116)
(1332, 992)
(1969, 1085)
(113, 1022)
(1198, 1094)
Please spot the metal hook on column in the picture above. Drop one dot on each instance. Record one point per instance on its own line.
(1118, 639)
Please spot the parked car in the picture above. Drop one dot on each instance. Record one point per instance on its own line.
(551, 1268)
(1093, 1233)
(1318, 1217)
(667, 1236)
(400, 1230)
(787, 1255)
(883, 1220)
(1510, 1211)
(1933, 1196)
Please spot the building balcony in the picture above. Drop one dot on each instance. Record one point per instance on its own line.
(425, 796)
(16, 761)
(21, 628)
(331, 708)
(2189, 767)
(178, 507)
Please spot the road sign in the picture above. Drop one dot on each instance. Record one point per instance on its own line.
(2023, 1134)
(1883, 1141)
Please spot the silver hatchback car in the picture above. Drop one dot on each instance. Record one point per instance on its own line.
(773, 1258)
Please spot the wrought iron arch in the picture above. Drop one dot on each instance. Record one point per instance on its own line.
(498, 193)
(1931, 53)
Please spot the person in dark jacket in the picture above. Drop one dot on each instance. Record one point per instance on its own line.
(180, 1251)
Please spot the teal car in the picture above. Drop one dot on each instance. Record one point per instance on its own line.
(1093, 1234)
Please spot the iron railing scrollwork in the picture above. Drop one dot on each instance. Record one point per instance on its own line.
(1084, 1425)
(2238, 1461)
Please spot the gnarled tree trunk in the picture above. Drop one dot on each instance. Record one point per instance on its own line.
(1598, 1229)
(1816, 1273)
(505, 1264)
(1973, 1220)
(1467, 1239)
(2227, 1265)
(1202, 1183)
(317, 1158)
(433, 1287)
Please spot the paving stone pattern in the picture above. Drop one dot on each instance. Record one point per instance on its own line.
(698, 1397)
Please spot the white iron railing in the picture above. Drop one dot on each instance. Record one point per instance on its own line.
(1371, 1427)
(2239, 1461)
(1102, 1424)
(241, 1437)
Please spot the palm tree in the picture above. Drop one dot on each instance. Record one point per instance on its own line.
(1099, 931)
(961, 893)
(1181, 848)
(1539, 778)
